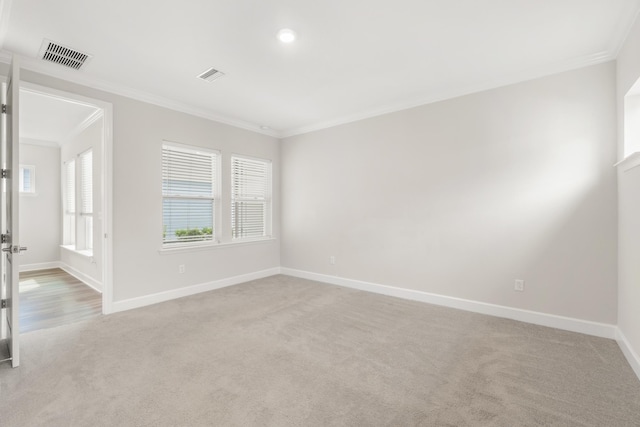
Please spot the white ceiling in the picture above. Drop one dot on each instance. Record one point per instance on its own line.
(353, 58)
(50, 119)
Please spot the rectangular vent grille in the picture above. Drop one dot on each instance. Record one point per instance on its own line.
(211, 74)
(54, 52)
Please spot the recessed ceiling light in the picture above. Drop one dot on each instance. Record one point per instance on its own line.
(286, 35)
(265, 127)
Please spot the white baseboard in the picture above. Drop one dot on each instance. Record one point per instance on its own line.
(627, 350)
(88, 280)
(559, 322)
(145, 300)
(40, 266)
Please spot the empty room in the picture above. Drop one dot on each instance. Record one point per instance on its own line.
(338, 213)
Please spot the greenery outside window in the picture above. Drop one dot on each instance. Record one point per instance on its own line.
(189, 194)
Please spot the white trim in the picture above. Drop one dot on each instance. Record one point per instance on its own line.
(627, 350)
(203, 247)
(448, 93)
(107, 208)
(39, 142)
(145, 300)
(107, 181)
(82, 253)
(91, 119)
(629, 162)
(537, 318)
(88, 121)
(455, 92)
(56, 71)
(86, 279)
(39, 266)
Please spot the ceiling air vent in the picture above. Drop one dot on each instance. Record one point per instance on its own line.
(54, 52)
(211, 74)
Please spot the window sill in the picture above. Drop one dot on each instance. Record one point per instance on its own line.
(629, 162)
(205, 247)
(85, 252)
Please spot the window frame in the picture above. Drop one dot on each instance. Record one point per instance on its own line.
(32, 180)
(268, 199)
(215, 198)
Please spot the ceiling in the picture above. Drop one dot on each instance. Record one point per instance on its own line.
(48, 119)
(353, 58)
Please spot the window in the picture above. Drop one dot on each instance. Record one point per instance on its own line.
(189, 194)
(77, 225)
(250, 197)
(27, 179)
(69, 202)
(85, 220)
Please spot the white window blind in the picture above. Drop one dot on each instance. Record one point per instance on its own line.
(250, 197)
(69, 202)
(86, 183)
(189, 187)
(86, 200)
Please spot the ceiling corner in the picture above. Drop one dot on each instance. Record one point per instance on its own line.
(624, 28)
(5, 12)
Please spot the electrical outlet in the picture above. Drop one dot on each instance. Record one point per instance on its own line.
(332, 260)
(519, 285)
(181, 268)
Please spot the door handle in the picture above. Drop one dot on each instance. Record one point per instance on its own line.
(15, 249)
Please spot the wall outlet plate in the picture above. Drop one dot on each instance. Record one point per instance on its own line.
(519, 285)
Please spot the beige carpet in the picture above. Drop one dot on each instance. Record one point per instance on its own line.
(289, 352)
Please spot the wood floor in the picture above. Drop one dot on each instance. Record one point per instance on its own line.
(50, 298)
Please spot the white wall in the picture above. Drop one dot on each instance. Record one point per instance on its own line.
(40, 212)
(139, 269)
(631, 124)
(628, 72)
(88, 267)
(462, 197)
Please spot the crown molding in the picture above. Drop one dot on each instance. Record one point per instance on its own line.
(76, 77)
(92, 118)
(450, 93)
(39, 142)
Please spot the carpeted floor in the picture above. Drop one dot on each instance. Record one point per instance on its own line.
(283, 351)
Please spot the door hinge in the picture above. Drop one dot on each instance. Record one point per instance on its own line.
(5, 238)
(4, 108)
(3, 303)
(5, 173)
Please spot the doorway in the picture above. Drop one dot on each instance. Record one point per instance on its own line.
(65, 207)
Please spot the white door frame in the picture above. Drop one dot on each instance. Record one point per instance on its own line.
(107, 181)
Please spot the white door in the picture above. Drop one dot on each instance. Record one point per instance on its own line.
(9, 227)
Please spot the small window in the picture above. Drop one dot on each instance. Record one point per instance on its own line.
(250, 198)
(189, 194)
(27, 179)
